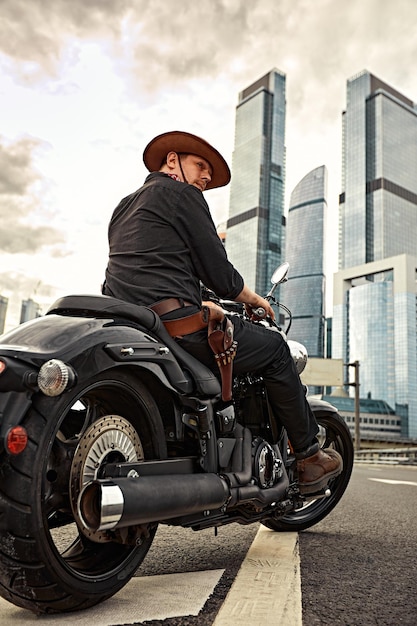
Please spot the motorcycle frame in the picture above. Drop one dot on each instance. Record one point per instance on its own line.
(93, 340)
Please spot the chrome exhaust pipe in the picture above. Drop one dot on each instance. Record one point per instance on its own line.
(119, 502)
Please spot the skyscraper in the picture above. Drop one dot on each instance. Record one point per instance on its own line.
(374, 315)
(29, 310)
(378, 203)
(3, 310)
(256, 224)
(304, 293)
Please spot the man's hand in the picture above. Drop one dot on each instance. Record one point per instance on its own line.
(217, 310)
(253, 311)
(253, 301)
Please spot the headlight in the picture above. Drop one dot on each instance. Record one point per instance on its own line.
(55, 377)
(299, 354)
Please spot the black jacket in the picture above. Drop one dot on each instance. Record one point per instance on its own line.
(163, 242)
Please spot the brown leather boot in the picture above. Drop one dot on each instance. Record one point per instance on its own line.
(315, 471)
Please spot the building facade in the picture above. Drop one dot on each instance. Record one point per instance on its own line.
(378, 421)
(304, 292)
(375, 297)
(256, 224)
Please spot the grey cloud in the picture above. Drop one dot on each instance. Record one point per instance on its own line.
(157, 45)
(167, 41)
(26, 286)
(16, 237)
(19, 200)
(33, 34)
(16, 168)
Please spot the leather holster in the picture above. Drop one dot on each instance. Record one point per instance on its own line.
(220, 339)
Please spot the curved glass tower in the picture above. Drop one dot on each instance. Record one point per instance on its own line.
(304, 293)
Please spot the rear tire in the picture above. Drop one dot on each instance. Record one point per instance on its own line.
(48, 563)
(333, 434)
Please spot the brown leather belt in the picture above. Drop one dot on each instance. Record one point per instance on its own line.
(183, 325)
(220, 337)
(168, 305)
(187, 325)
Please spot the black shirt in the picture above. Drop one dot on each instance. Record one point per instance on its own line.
(163, 242)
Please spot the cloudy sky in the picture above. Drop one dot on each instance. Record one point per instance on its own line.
(85, 84)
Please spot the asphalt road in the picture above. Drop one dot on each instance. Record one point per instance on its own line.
(357, 566)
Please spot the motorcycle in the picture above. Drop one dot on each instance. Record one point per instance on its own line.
(108, 428)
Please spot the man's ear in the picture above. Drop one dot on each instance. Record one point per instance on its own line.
(172, 160)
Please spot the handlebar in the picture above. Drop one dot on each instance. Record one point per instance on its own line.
(259, 312)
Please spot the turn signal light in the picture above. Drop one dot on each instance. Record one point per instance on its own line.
(16, 440)
(55, 377)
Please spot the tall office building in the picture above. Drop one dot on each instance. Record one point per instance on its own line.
(256, 224)
(3, 310)
(378, 203)
(304, 293)
(374, 315)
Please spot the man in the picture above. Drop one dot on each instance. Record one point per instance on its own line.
(163, 242)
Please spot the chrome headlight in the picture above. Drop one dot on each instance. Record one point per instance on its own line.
(299, 354)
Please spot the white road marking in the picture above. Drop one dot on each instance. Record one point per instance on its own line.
(267, 588)
(389, 481)
(143, 599)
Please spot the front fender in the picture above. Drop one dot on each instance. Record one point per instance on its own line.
(320, 407)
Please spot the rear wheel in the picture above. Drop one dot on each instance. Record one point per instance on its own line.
(333, 434)
(49, 563)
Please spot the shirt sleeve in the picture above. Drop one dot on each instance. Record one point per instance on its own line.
(195, 225)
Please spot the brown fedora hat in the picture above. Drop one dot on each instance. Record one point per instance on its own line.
(182, 142)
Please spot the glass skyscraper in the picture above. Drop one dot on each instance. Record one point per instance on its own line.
(378, 203)
(304, 292)
(29, 310)
(375, 294)
(3, 310)
(256, 224)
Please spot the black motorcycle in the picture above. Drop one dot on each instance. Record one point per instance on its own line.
(108, 427)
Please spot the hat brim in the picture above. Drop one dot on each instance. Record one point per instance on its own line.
(182, 142)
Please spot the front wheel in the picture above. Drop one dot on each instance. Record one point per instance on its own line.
(50, 563)
(333, 434)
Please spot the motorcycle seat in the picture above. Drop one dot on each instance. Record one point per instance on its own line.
(204, 382)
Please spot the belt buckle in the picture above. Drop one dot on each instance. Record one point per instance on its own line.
(205, 311)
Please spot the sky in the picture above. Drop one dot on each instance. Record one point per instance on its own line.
(85, 84)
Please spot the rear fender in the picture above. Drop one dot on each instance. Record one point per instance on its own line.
(90, 346)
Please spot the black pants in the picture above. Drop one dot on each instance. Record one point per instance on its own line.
(261, 350)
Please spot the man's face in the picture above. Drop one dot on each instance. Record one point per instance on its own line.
(197, 170)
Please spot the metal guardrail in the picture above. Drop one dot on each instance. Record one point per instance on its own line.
(389, 456)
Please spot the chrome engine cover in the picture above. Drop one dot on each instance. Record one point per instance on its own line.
(266, 464)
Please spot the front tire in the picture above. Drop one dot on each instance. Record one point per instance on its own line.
(48, 562)
(333, 434)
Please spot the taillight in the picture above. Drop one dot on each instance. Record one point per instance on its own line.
(2, 366)
(16, 440)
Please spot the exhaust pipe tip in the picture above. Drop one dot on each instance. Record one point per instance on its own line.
(100, 505)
